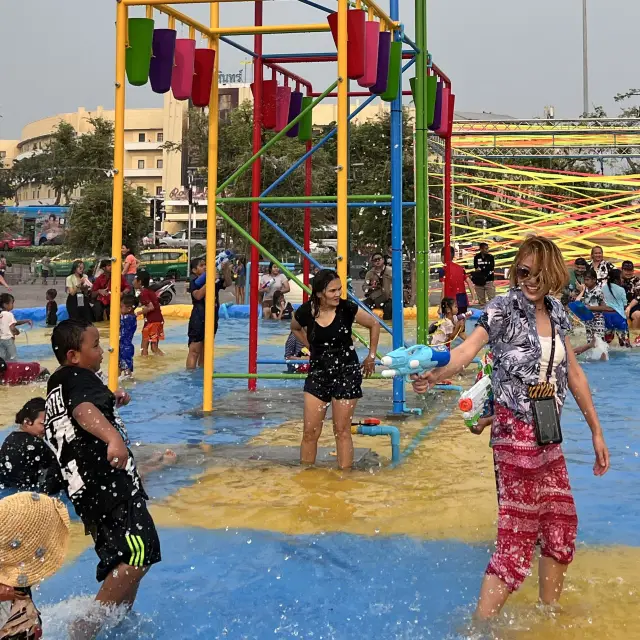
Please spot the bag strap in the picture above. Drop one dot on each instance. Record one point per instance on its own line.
(553, 350)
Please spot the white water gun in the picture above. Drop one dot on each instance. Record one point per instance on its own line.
(477, 402)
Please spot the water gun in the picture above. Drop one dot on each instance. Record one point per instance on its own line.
(222, 257)
(477, 402)
(417, 359)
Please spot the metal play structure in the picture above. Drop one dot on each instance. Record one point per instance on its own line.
(373, 49)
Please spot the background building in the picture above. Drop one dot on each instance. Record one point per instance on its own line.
(151, 169)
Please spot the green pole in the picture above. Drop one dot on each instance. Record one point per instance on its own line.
(267, 254)
(303, 199)
(275, 376)
(281, 134)
(421, 179)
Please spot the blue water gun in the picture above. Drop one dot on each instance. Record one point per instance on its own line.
(417, 359)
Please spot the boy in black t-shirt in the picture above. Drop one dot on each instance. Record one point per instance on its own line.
(100, 477)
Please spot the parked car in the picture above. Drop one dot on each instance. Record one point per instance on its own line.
(10, 240)
(165, 263)
(319, 248)
(61, 264)
(181, 239)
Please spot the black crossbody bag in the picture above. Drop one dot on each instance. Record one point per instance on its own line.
(543, 404)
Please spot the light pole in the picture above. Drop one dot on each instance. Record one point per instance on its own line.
(585, 60)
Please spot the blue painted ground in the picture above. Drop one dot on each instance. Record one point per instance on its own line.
(250, 584)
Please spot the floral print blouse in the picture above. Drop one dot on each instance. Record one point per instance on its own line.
(602, 270)
(510, 321)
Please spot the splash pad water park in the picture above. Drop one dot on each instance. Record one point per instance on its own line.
(254, 546)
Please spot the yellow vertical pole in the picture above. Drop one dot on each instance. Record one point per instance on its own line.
(118, 187)
(210, 298)
(343, 144)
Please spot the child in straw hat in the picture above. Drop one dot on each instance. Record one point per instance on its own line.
(34, 535)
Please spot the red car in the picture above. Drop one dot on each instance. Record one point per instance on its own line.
(9, 241)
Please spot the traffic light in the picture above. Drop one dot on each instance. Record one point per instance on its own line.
(159, 211)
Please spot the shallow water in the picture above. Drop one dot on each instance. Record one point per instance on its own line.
(267, 550)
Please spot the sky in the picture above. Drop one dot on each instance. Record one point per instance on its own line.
(503, 56)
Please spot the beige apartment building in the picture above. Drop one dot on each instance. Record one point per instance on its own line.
(149, 168)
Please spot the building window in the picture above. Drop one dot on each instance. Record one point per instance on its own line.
(159, 190)
(140, 164)
(3, 154)
(140, 191)
(33, 195)
(38, 194)
(49, 193)
(142, 137)
(160, 137)
(159, 164)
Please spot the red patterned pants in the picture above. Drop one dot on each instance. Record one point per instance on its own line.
(534, 499)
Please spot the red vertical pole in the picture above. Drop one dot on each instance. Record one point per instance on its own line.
(447, 206)
(308, 191)
(256, 188)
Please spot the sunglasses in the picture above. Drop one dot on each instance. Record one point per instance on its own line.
(524, 273)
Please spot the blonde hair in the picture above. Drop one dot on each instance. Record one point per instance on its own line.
(548, 262)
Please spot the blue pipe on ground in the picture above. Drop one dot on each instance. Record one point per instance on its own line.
(393, 432)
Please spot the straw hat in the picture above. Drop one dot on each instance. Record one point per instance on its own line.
(34, 536)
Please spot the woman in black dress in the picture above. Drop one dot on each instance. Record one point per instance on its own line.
(78, 289)
(324, 325)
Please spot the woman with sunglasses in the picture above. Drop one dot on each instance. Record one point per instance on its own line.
(534, 365)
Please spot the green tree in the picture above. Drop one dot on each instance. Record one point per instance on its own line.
(9, 222)
(91, 219)
(69, 161)
(235, 148)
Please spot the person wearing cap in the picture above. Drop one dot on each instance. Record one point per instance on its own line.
(34, 538)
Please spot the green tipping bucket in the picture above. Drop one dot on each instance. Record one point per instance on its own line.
(432, 91)
(394, 79)
(138, 59)
(305, 132)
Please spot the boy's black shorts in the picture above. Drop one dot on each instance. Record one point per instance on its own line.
(125, 535)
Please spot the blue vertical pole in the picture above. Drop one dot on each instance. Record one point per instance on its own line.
(396, 227)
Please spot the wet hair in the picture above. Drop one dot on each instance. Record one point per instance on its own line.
(144, 278)
(581, 262)
(52, 293)
(591, 274)
(548, 263)
(451, 250)
(67, 336)
(75, 265)
(321, 281)
(195, 263)
(446, 305)
(6, 298)
(271, 265)
(615, 277)
(31, 410)
(129, 300)
(105, 263)
(276, 297)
